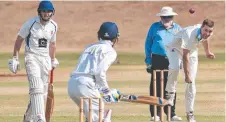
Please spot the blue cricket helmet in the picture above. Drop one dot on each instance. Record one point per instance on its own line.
(45, 5)
(108, 30)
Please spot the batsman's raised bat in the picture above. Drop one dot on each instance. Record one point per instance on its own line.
(144, 99)
(50, 99)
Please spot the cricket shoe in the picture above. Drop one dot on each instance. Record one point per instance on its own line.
(190, 117)
(157, 118)
(176, 118)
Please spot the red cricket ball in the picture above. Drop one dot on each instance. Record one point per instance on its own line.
(191, 10)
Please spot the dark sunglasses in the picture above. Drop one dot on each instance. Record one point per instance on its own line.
(167, 17)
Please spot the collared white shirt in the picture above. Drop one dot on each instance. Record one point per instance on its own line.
(38, 36)
(95, 61)
(187, 38)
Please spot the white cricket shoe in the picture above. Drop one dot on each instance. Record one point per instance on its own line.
(191, 117)
(176, 118)
(170, 98)
(157, 118)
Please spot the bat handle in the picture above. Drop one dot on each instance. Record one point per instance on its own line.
(51, 76)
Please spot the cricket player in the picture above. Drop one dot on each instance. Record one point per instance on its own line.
(39, 34)
(88, 79)
(184, 48)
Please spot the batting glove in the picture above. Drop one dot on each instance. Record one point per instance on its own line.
(115, 94)
(14, 64)
(104, 90)
(55, 63)
(109, 96)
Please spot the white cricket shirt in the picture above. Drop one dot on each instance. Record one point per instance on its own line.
(188, 38)
(38, 36)
(95, 61)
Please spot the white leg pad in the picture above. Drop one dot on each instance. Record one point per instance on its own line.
(37, 98)
(28, 114)
(45, 79)
(107, 115)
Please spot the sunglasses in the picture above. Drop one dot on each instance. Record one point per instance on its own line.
(167, 17)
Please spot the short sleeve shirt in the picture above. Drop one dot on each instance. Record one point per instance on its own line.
(38, 36)
(188, 38)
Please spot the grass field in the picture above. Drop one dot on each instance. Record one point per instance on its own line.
(129, 77)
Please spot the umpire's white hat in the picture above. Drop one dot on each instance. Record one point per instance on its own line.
(166, 11)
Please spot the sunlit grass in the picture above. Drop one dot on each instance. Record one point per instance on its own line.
(209, 102)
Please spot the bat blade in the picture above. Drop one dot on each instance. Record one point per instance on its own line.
(50, 99)
(49, 103)
(144, 100)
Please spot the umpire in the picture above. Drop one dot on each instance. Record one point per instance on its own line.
(159, 34)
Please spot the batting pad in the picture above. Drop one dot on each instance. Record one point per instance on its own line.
(37, 98)
(28, 113)
(107, 115)
(45, 83)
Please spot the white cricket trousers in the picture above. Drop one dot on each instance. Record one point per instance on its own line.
(175, 62)
(84, 86)
(37, 68)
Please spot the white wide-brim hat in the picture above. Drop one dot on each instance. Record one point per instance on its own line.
(166, 11)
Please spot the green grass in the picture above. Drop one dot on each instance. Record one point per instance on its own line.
(220, 58)
(13, 84)
(21, 97)
(209, 105)
(116, 84)
(71, 59)
(131, 59)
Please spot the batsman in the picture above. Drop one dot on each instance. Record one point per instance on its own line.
(88, 79)
(39, 34)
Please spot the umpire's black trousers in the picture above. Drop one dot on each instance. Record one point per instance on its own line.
(159, 63)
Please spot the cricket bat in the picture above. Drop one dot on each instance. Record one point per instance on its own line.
(143, 99)
(50, 99)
